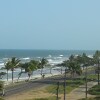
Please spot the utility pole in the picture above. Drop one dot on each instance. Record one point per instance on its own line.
(65, 85)
(57, 89)
(98, 73)
(86, 82)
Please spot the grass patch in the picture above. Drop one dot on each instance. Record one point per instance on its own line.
(70, 85)
(95, 90)
(49, 98)
(1, 98)
(91, 77)
(95, 98)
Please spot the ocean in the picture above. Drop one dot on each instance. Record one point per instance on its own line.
(53, 56)
(6, 53)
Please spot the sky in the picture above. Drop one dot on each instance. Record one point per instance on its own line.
(50, 24)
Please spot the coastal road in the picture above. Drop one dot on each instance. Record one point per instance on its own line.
(33, 84)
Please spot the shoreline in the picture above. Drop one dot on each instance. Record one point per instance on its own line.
(36, 77)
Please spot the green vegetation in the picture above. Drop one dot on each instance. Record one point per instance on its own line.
(7, 67)
(71, 84)
(91, 77)
(96, 59)
(11, 65)
(2, 74)
(49, 98)
(42, 63)
(1, 88)
(95, 98)
(29, 67)
(74, 66)
(95, 90)
(1, 98)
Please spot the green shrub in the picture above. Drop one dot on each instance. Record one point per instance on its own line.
(95, 90)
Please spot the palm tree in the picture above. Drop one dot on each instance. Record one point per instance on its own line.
(43, 62)
(73, 65)
(50, 67)
(14, 63)
(74, 68)
(30, 67)
(29, 70)
(85, 58)
(63, 64)
(7, 67)
(71, 58)
(21, 66)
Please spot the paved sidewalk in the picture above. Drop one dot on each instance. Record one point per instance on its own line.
(79, 93)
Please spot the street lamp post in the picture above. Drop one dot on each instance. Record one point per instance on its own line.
(57, 90)
(65, 85)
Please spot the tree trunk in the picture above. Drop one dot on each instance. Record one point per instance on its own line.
(19, 75)
(29, 76)
(12, 75)
(61, 69)
(83, 67)
(7, 75)
(72, 74)
(50, 70)
(41, 70)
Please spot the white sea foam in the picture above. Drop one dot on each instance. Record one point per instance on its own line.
(90, 56)
(39, 57)
(37, 74)
(27, 58)
(5, 58)
(50, 60)
(50, 56)
(61, 55)
(1, 64)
